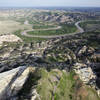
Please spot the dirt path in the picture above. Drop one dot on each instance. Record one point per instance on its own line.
(79, 30)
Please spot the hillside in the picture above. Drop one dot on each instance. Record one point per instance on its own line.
(49, 54)
(64, 68)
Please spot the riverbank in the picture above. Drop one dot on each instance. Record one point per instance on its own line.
(79, 30)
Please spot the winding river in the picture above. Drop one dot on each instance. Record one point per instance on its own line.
(79, 30)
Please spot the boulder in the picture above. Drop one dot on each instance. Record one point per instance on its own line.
(11, 82)
(85, 51)
(85, 73)
(9, 38)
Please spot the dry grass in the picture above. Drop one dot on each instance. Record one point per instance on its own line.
(9, 26)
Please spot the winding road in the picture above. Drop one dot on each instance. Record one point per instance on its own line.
(79, 30)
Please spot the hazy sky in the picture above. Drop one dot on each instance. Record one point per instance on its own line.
(34, 3)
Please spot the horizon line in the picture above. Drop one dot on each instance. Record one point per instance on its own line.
(51, 6)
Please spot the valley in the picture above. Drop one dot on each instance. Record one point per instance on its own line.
(49, 54)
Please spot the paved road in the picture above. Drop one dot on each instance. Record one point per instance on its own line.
(80, 30)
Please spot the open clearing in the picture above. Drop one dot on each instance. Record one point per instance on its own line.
(9, 26)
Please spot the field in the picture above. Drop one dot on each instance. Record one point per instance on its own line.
(43, 26)
(27, 39)
(65, 29)
(9, 26)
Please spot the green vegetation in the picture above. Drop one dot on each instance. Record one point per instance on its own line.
(27, 39)
(62, 85)
(66, 29)
(53, 77)
(43, 26)
(93, 26)
(65, 87)
(60, 55)
(93, 39)
(31, 81)
(32, 22)
(52, 87)
(56, 85)
(21, 20)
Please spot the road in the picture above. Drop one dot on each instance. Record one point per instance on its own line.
(79, 30)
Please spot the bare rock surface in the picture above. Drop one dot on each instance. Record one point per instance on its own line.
(85, 73)
(12, 81)
(9, 38)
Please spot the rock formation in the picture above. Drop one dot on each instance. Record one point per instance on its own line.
(72, 53)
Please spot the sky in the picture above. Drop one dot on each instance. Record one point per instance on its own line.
(38, 3)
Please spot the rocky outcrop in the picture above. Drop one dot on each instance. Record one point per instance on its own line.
(87, 75)
(11, 82)
(61, 53)
(14, 55)
(9, 38)
(85, 51)
(58, 18)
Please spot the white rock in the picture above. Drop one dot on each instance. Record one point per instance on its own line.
(85, 73)
(12, 81)
(9, 38)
